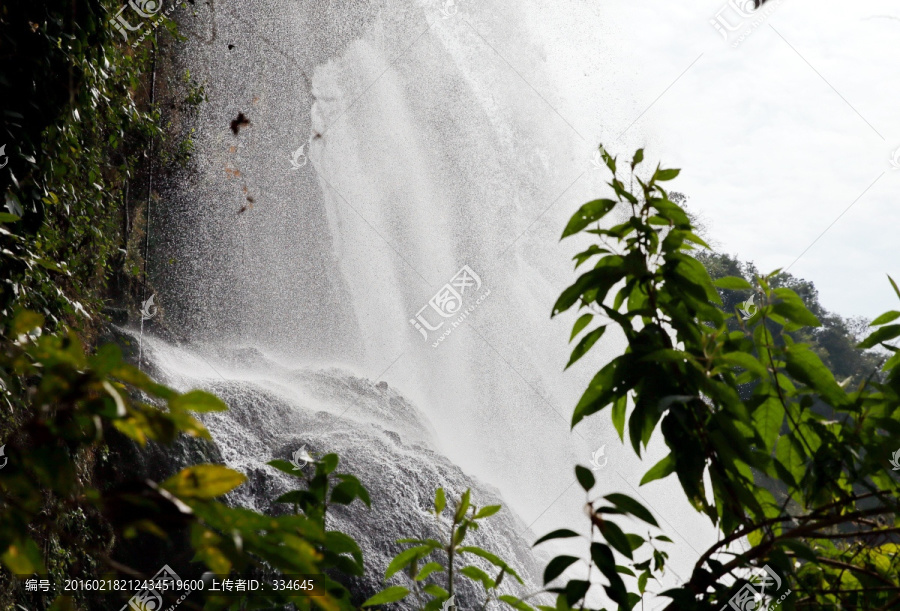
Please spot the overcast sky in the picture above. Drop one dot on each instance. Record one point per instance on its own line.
(783, 137)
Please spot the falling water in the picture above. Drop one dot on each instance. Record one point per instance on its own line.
(390, 145)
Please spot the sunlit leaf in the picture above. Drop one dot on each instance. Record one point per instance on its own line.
(404, 558)
(198, 401)
(662, 469)
(428, 569)
(487, 511)
(203, 481)
(733, 283)
(661, 175)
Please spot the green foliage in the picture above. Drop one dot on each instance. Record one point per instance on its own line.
(763, 439)
(421, 577)
(834, 341)
(72, 400)
(74, 127)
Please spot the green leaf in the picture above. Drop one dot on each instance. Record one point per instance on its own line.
(134, 376)
(642, 582)
(562, 533)
(585, 344)
(476, 574)
(327, 464)
(492, 558)
(341, 543)
(388, 595)
(661, 175)
(618, 415)
(733, 283)
(106, 358)
(792, 307)
(436, 591)
(881, 335)
(299, 497)
(344, 493)
(25, 322)
(198, 401)
(585, 477)
(556, 567)
(802, 550)
(746, 361)
(610, 161)
(489, 510)
(404, 558)
(791, 456)
(463, 507)
(361, 491)
(23, 557)
(767, 419)
(587, 214)
(807, 367)
(428, 569)
(440, 501)
(605, 561)
(285, 466)
(609, 271)
(894, 284)
(885, 318)
(615, 537)
(203, 481)
(638, 157)
(663, 468)
(628, 504)
(580, 324)
(690, 276)
(575, 590)
(515, 603)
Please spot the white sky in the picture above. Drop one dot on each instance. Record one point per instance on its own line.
(775, 138)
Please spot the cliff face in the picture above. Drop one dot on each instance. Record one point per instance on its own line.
(380, 437)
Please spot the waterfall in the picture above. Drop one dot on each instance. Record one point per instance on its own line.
(406, 164)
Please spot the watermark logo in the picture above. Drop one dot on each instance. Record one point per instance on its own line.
(895, 159)
(145, 9)
(748, 308)
(3, 458)
(299, 159)
(449, 9)
(6, 159)
(596, 456)
(448, 303)
(752, 596)
(300, 458)
(597, 160)
(737, 19)
(149, 308)
(150, 599)
(895, 460)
